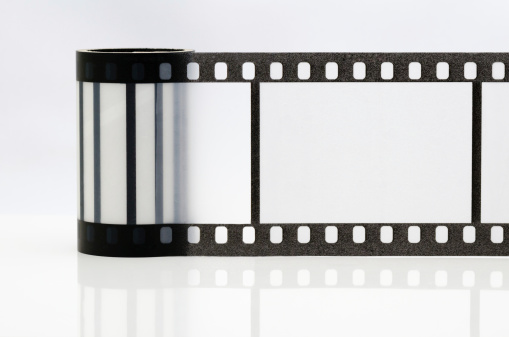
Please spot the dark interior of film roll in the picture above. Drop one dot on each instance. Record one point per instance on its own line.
(267, 154)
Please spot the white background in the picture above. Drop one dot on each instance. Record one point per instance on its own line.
(38, 260)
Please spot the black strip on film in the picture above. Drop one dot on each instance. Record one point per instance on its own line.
(131, 152)
(127, 246)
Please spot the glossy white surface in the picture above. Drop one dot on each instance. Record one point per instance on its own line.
(48, 289)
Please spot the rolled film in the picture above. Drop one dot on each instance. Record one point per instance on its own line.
(254, 154)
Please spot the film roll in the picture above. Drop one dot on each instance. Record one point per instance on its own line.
(155, 152)
(170, 144)
(126, 149)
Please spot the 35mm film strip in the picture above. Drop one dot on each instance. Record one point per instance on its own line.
(141, 114)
